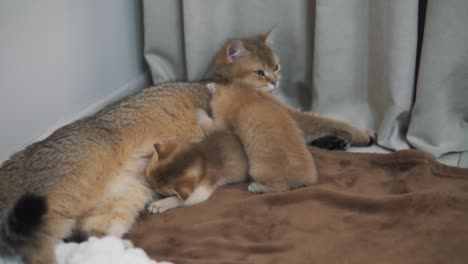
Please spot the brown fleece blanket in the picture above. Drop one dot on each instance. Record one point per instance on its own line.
(402, 207)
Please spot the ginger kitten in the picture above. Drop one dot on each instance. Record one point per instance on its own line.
(187, 174)
(252, 61)
(277, 153)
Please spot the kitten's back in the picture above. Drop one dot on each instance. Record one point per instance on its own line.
(226, 158)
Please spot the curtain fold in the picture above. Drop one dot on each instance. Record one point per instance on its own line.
(164, 40)
(183, 37)
(439, 122)
(354, 60)
(364, 62)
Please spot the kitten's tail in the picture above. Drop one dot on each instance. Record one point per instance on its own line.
(20, 223)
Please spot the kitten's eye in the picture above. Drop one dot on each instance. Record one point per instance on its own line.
(260, 73)
(276, 67)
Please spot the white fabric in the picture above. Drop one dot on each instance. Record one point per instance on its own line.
(107, 250)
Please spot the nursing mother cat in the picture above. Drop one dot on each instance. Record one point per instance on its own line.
(88, 176)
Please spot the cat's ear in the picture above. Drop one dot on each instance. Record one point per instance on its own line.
(268, 36)
(163, 150)
(211, 87)
(235, 50)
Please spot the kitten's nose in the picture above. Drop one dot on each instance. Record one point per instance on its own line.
(274, 83)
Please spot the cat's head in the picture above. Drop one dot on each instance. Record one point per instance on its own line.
(174, 169)
(250, 60)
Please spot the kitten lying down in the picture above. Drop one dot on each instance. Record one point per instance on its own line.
(187, 174)
(269, 147)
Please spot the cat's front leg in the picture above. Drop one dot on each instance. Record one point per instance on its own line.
(200, 194)
(205, 122)
(325, 132)
(164, 204)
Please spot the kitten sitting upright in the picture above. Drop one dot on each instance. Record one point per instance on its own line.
(277, 153)
(187, 174)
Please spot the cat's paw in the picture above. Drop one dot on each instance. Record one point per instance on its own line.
(331, 143)
(372, 137)
(201, 114)
(159, 206)
(211, 87)
(257, 188)
(205, 122)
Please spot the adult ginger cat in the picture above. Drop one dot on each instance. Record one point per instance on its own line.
(89, 175)
(277, 153)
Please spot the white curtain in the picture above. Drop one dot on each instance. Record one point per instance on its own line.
(355, 60)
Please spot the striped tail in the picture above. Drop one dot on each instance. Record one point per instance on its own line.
(20, 223)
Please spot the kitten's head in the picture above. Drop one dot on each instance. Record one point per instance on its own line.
(250, 60)
(174, 169)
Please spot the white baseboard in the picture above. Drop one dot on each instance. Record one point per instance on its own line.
(130, 87)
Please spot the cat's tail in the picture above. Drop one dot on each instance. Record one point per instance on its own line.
(20, 223)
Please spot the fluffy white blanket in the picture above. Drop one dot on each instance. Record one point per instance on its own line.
(107, 250)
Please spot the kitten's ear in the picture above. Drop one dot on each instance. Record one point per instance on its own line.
(268, 36)
(235, 50)
(163, 150)
(211, 87)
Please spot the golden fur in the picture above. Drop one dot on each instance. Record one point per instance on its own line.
(250, 61)
(278, 156)
(187, 174)
(240, 59)
(92, 170)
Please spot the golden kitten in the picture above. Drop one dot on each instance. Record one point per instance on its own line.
(89, 175)
(187, 174)
(252, 61)
(277, 153)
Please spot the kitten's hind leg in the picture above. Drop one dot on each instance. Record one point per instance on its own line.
(255, 187)
(205, 122)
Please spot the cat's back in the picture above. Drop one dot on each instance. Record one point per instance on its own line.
(166, 99)
(107, 136)
(265, 118)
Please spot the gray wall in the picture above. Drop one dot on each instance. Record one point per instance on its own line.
(60, 59)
